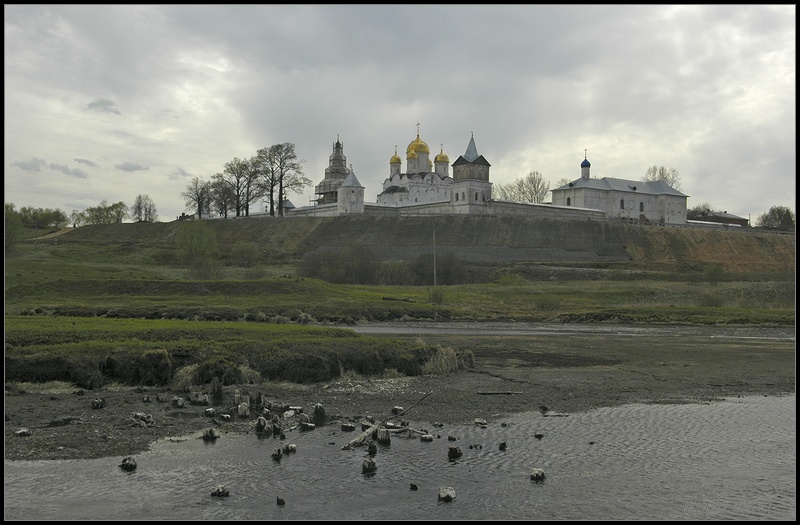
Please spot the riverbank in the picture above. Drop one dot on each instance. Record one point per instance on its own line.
(512, 374)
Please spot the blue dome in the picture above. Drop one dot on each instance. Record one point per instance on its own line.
(585, 163)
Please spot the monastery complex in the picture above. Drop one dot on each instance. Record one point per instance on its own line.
(434, 186)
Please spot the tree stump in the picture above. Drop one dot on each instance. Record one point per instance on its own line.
(369, 466)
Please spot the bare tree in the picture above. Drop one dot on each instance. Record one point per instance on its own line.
(660, 173)
(236, 176)
(198, 196)
(143, 209)
(279, 171)
(137, 210)
(150, 212)
(252, 190)
(530, 188)
(223, 200)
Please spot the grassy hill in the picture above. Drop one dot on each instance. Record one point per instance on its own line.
(117, 302)
(482, 240)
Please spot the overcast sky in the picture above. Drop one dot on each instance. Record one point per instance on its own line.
(107, 102)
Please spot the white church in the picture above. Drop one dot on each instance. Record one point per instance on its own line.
(427, 187)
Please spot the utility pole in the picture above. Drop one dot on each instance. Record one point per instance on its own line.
(434, 255)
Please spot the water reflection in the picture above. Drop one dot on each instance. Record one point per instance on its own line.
(733, 459)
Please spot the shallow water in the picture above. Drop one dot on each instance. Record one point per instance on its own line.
(733, 459)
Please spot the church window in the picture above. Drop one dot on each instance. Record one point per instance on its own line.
(456, 196)
(569, 201)
(476, 195)
(641, 206)
(622, 204)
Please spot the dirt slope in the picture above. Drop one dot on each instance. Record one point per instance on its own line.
(484, 240)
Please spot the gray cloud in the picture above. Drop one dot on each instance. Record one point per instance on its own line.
(33, 164)
(130, 166)
(104, 106)
(709, 90)
(66, 170)
(179, 174)
(86, 161)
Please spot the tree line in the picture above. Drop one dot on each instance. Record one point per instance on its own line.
(266, 176)
(776, 218)
(534, 188)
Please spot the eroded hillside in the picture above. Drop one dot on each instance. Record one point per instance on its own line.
(483, 240)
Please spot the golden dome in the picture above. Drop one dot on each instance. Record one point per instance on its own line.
(395, 159)
(412, 154)
(430, 163)
(418, 145)
(442, 157)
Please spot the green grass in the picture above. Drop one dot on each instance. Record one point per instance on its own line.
(94, 351)
(92, 313)
(106, 281)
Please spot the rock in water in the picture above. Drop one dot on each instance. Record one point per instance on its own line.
(447, 494)
(369, 466)
(454, 452)
(128, 464)
(220, 491)
(537, 474)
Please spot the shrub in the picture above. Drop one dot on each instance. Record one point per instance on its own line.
(713, 273)
(37, 369)
(185, 377)
(87, 372)
(148, 367)
(436, 295)
(301, 367)
(447, 267)
(394, 273)
(222, 367)
(447, 360)
(710, 300)
(244, 254)
(351, 265)
(205, 270)
(547, 303)
(196, 241)
(304, 318)
(249, 376)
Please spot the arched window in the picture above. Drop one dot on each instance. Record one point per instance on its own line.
(476, 195)
(622, 204)
(569, 201)
(641, 206)
(456, 196)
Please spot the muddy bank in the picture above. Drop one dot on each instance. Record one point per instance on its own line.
(566, 372)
